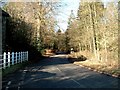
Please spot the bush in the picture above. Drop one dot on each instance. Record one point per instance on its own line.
(43, 51)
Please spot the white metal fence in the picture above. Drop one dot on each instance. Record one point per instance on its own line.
(8, 59)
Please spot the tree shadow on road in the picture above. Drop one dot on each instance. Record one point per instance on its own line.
(42, 75)
(29, 79)
(51, 61)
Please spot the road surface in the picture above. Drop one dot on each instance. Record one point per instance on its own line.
(57, 72)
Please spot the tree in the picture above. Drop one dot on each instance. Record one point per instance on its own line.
(95, 30)
(29, 26)
(61, 41)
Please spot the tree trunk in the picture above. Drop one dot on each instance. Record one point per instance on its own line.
(93, 28)
(95, 32)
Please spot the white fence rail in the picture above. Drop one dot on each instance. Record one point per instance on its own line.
(8, 59)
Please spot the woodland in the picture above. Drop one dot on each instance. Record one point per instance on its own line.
(93, 33)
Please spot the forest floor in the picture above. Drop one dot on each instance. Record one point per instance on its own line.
(95, 65)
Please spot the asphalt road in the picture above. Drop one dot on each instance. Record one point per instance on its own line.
(57, 72)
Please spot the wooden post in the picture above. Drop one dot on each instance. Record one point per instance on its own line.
(16, 58)
(8, 59)
(24, 56)
(21, 57)
(4, 61)
(12, 58)
(27, 55)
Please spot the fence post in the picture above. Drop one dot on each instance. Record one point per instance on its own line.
(24, 56)
(27, 55)
(4, 61)
(12, 58)
(8, 59)
(16, 58)
(21, 57)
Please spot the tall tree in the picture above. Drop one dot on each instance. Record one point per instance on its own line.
(96, 30)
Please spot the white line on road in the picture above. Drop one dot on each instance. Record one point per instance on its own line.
(82, 86)
(70, 78)
(75, 81)
(59, 70)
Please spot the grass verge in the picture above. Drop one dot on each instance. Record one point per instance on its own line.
(95, 65)
(13, 68)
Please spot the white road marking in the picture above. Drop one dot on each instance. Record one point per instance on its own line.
(9, 83)
(75, 81)
(69, 78)
(59, 70)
